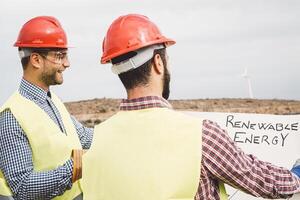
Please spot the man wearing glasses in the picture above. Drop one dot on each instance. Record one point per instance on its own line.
(40, 143)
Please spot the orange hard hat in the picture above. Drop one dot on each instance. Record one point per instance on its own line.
(129, 33)
(42, 32)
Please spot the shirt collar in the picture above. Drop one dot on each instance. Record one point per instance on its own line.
(33, 91)
(144, 102)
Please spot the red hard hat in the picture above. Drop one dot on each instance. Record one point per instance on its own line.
(129, 33)
(40, 32)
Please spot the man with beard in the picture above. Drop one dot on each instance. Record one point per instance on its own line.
(40, 143)
(149, 151)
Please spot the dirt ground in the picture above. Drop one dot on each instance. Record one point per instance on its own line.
(95, 111)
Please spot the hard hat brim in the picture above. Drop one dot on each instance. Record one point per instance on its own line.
(166, 41)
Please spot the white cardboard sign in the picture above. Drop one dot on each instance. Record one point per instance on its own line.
(271, 138)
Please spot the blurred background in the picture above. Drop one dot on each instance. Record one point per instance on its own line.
(223, 46)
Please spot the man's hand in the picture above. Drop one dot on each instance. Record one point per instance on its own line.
(77, 164)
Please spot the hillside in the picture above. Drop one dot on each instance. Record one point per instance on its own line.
(91, 112)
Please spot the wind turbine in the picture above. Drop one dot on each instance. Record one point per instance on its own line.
(247, 77)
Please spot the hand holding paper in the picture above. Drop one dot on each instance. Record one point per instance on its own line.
(296, 168)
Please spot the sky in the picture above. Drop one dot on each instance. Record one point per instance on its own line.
(216, 41)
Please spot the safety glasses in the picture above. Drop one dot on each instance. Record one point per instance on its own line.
(56, 57)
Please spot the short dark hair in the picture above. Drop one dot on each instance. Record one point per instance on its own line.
(25, 61)
(140, 75)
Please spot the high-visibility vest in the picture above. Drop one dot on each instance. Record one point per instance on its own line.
(149, 154)
(50, 147)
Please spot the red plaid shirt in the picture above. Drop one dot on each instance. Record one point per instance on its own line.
(223, 160)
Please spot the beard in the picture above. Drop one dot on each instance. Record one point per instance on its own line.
(166, 84)
(51, 77)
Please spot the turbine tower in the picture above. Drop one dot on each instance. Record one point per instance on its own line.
(247, 77)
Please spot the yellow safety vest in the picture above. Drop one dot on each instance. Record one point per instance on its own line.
(149, 154)
(50, 147)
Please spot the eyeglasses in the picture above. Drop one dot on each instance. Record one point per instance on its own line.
(58, 57)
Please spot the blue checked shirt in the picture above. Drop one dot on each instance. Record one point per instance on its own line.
(16, 156)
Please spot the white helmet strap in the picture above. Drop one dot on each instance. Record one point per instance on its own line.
(142, 56)
(24, 53)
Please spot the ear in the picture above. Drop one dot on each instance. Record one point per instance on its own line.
(35, 60)
(158, 64)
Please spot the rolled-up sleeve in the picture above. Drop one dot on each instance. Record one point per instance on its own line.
(223, 160)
